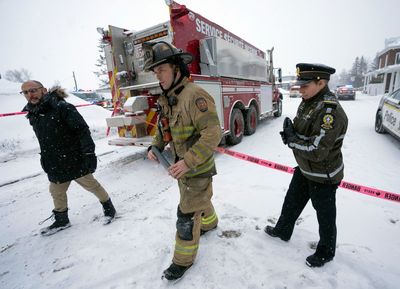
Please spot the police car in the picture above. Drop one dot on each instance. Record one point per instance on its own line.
(388, 115)
(345, 92)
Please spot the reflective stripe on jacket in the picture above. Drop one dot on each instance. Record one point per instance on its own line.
(320, 126)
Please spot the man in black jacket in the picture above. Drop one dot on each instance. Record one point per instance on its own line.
(66, 147)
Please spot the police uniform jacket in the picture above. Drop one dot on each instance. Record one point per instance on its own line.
(195, 128)
(64, 137)
(320, 126)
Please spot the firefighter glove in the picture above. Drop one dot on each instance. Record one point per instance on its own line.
(90, 162)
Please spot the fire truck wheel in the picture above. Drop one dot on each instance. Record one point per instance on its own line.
(278, 107)
(236, 127)
(251, 121)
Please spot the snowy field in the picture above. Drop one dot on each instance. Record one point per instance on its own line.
(133, 251)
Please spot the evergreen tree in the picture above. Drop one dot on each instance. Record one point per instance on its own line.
(363, 65)
(102, 73)
(344, 77)
(360, 66)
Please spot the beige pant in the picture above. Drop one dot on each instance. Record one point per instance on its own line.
(196, 196)
(88, 182)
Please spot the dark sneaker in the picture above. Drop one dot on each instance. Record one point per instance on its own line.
(174, 272)
(202, 232)
(316, 260)
(61, 222)
(271, 231)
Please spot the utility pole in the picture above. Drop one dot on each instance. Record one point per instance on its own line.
(76, 86)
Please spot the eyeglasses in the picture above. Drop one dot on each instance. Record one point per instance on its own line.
(31, 90)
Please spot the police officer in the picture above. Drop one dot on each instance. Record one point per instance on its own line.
(315, 137)
(196, 132)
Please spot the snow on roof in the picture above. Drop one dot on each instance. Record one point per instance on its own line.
(392, 42)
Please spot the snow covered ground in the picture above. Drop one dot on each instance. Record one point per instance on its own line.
(133, 251)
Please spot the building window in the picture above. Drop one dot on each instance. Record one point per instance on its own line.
(394, 80)
(386, 59)
(397, 59)
(378, 78)
(381, 63)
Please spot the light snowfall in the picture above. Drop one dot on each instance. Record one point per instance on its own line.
(133, 251)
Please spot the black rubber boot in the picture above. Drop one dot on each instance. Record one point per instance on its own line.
(271, 231)
(61, 223)
(108, 209)
(202, 232)
(317, 260)
(174, 272)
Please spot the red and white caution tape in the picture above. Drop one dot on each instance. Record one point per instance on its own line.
(346, 185)
(25, 112)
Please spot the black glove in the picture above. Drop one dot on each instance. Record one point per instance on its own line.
(90, 162)
(288, 134)
(283, 136)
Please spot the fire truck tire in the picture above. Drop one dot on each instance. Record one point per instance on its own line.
(278, 106)
(251, 120)
(236, 127)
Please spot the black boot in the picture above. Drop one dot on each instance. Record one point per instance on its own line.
(272, 232)
(108, 209)
(61, 223)
(318, 260)
(174, 272)
(202, 232)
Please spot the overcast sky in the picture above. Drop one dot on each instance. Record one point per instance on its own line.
(52, 38)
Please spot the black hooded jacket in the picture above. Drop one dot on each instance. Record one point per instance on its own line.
(67, 149)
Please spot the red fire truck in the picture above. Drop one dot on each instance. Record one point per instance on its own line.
(239, 76)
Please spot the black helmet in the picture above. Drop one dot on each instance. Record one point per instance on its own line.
(162, 52)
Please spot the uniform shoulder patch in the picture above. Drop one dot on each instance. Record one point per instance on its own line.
(327, 121)
(330, 103)
(201, 104)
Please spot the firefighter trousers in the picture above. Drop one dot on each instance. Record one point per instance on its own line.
(88, 182)
(191, 223)
(323, 199)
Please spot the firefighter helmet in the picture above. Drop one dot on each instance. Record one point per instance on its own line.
(162, 52)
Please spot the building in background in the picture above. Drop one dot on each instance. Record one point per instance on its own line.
(386, 78)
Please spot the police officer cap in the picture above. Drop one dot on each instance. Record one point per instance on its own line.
(307, 72)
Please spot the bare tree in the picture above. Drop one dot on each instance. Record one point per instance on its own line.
(18, 76)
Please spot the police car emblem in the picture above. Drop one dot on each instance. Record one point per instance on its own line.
(201, 104)
(327, 121)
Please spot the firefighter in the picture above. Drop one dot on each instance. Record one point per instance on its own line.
(315, 136)
(193, 134)
(67, 151)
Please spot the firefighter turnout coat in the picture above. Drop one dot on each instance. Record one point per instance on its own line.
(320, 126)
(196, 132)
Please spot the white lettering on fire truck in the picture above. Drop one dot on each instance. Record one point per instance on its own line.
(209, 30)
